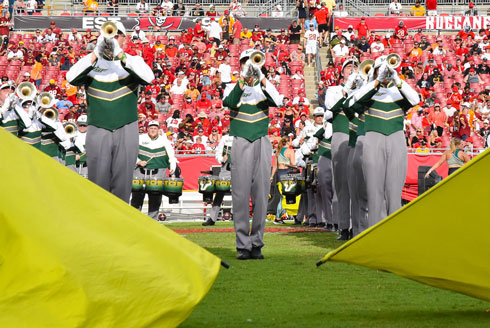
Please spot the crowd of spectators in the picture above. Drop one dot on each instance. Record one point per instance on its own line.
(193, 68)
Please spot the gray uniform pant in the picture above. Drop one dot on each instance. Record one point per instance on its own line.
(340, 155)
(357, 188)
(154, 199)
(324, 191)
(111, 158)
(312, 207)
(218, 197)
(82, 170)
(250, 178)
(384, 161)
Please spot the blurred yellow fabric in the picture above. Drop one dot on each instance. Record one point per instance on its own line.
(74, 255)
(440, 239)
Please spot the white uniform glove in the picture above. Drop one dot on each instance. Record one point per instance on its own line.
(107, 47)
(258, 72)
(9, 102)
(383, 72)
(394, 75)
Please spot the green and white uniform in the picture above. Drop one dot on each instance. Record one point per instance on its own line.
(30, 133)
(224, 148)
(384, 154)
(251, 156)
(325, 192)
(52, 134)
(81, 164)
(334, 101)
(160, 156)
(112, 135)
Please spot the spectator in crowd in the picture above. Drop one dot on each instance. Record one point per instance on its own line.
(472, 11)
(473, 77)
(74, 37)
(167, 7)
(277, 12)
(439, 49)
(377, 47)
(340, 12)
(197, 11)
(340, 50)
(438, 119)
(395, 8)
(362, 29)
(431, 7)
(311, 43)
(363, 45)
(50, 36)
(15, 54)
(138, 34)
(294, 31)
(301, 6)
(401, 31)
(311, 21)
(178, 9)
(113, 7)
(415, 51)
(31, 6)
(418, 9)
(322, 16)
(463, 34)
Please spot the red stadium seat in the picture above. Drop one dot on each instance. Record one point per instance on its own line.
(65, 14)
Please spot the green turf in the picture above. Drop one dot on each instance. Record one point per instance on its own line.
(287, 290)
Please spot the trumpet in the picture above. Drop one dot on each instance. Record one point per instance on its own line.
(257, 58)
(26, 91)
(365, 67)
(254, 63)
(108, 30)
(50, 113)
(393, 60)
(70, 129)
(45, 100)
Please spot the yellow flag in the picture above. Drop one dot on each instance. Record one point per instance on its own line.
(74, 255)
(440, 239)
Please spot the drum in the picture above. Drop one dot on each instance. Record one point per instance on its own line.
(223, 184)
(138, 185)
(154, 185)
(172, 188)
(301, 182)
(289, 188)
(207, 188)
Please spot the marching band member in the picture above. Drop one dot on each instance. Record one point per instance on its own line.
(387, 98)
(9, 120)
(334, 99)
(81, 159)
(52, 133)
(251, 154)
(324, 194)
(30, 130)
(223, 156)
(155, 156)
(111, 78)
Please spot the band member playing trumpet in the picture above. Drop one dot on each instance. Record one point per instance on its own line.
(385, 99)
(251, 154)
(155, 156)
(111, 78)
(223, 156)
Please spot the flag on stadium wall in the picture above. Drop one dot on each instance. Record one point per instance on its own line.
(74, 255)
(439, 239)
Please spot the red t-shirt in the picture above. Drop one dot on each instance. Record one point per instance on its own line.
(238, 29)
(401, 32)
(362, 30)
(198, 148)
(321, 16)
(431, 4)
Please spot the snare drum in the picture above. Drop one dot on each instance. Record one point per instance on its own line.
(301, 184)
(154, 185)
(223, 184)
(172, 188)
(138, 185)
(289, 188)
(207, 188)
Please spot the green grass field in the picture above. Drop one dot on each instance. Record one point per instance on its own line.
(288, 290)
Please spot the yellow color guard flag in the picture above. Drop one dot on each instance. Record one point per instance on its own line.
(440, 239)
(74, 255)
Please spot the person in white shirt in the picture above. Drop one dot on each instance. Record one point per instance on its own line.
(298, 76)
(377, 46)
(74, 37)
(449, 110)
(340, 50)
(340, 12)
(214, 31)
(138, 34)
(50, 36)
(224, 70)
(31, 6)
(439, 49)
(174, 121)
(487, 53)
(142, 7)
(200, 132)
(178, 88)
(311, 43)
(349, 33)
(395, 8)
(484, 44)
(301, 95)
(277, 11)
(168, 6)
(15, 53)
